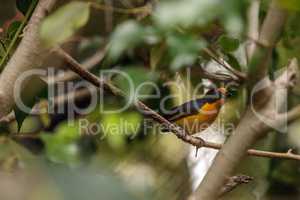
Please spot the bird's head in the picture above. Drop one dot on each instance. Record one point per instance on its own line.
(227, 92)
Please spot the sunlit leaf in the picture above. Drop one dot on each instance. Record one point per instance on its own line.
(118, 126)
(184, 50)
(64, 23)
(186, 13)
(62, 147)
(232, 16)
(126, 36)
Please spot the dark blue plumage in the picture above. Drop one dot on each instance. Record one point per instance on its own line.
(192, 107)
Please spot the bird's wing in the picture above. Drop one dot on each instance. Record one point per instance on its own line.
(187, 109)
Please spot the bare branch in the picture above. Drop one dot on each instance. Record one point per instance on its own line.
(225, 77)
(87, 64)
(240, 76)
(235, 181)
(145, 110)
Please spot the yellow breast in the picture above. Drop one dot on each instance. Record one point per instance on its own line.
(202, 120)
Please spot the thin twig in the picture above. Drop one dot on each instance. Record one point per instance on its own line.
(235, 181)
(225, 77)
(88, 64)
(145, 110)
(240, 75)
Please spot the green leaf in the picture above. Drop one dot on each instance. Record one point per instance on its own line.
(118, 126)
(63, 23)
(136, 82)
(34, 90)
(189, 13)
(126, 36)
(24, 5)
(233, 61)
(183, 60)
(257, 58)
(62, 147)
(293, 5)
(228, 44)
(232, 17)
(184, 50)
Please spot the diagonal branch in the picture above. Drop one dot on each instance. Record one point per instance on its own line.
(29, 54)
(145, 110)
(233, 182)
(237, 74)
(88, 64)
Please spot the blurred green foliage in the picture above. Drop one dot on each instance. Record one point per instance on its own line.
(115, 156)
(64, 23)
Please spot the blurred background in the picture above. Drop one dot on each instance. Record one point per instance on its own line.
(51, 157)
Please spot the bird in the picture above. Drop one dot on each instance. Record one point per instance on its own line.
(197, 115)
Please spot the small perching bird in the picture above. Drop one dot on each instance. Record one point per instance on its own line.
(198, 114)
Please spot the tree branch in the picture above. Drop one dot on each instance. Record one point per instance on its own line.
(145, 110)
(237, 75)
(270, 32)
(87, 64)
(253, 27)
(29, 54)
(249, 130)
(233, 182)
(224, 77)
